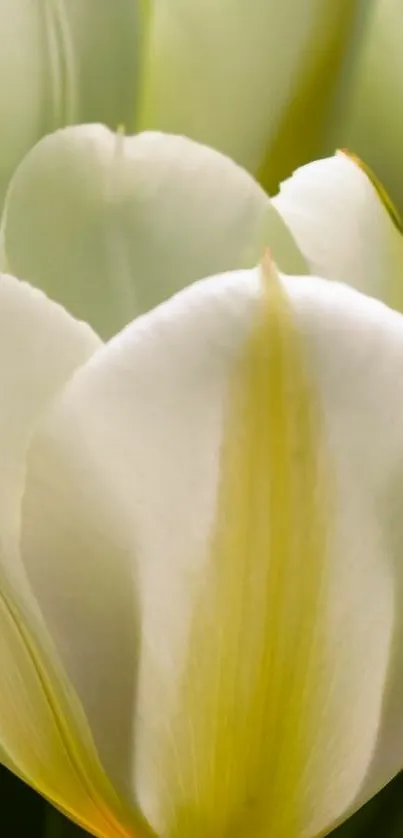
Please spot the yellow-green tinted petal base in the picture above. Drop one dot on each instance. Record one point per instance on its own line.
(87, 796)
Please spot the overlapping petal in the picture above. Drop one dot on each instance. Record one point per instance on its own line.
(44, 735)
(245, 440)
(111, 225)
(200, 521)
(345, 226)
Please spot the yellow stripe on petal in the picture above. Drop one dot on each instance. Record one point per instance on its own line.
(251, 687)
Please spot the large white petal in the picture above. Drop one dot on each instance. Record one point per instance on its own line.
(151, 443)
(44, 735)
(344, 226)
(229, 73)
(111, 225)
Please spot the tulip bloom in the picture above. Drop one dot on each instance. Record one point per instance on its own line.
(200, 571)
(131, 220)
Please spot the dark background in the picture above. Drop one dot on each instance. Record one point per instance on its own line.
(23, 814)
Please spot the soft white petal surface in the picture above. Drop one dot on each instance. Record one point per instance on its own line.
(128, 462)
(343, 227)
(40, 348)
(112, 225)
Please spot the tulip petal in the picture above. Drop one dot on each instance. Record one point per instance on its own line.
(110, 226)
(226, 73)
(367, 114)
(41, 346)
(239, 430)
(345, 227)
(44, 735)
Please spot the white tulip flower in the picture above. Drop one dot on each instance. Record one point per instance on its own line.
(200, 518)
